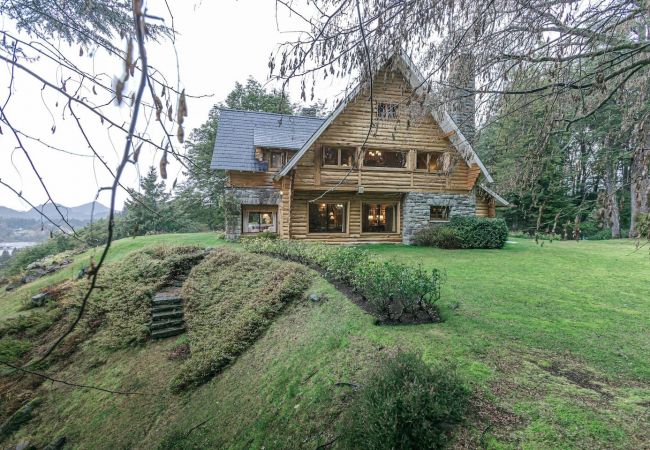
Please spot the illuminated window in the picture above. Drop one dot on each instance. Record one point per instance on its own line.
(379, 218)
(428, 161)
(387, 110)
(259, 221)
(383, 158)
(327, 217)
(339, 156)
(439, 213)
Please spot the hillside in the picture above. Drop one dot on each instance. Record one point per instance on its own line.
(30, 226)
(554, 354)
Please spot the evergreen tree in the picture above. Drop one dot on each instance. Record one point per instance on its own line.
(151, 211)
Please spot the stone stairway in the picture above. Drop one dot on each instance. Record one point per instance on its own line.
(167, 314)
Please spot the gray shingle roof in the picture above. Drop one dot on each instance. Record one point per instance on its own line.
(240, 132)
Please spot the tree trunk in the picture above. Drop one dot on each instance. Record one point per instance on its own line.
(639, 173)
(610, 180)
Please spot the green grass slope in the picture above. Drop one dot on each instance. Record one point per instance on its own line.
(552, 339)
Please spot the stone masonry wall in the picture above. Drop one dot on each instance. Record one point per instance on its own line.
(416, 209)
(236, 197)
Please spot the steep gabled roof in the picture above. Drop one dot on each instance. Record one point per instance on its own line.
(418, 84)
(500, 200)
(240, 132)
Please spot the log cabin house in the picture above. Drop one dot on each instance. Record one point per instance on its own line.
(339, 179)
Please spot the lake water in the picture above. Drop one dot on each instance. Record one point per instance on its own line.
(11, 246)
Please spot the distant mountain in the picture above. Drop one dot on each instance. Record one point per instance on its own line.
(81, 213)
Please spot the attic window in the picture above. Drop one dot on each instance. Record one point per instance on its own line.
(386, 110)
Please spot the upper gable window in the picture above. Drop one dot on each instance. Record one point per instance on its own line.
(384, 158)
(386, 110)
(338, 156)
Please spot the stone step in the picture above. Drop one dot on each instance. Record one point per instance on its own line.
(167, 332)
(170, 323)
(166, 315)
(162, 298)
(166, 307)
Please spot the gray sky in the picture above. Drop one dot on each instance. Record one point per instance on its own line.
(220, 42)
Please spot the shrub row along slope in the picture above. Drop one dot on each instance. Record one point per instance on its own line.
(392, 291)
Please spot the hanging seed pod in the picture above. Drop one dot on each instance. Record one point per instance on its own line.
(136, 153)
(159, 106)
(180, 134)
(163, 166)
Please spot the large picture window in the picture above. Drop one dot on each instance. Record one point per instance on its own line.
(379, 218)
(327, 217)
(383, 158)
(339, 156)
(259, 221)
(428, 161)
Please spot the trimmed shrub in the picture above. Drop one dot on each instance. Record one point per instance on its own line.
(405, 405)
(441, 236)
(480, 232)
(392, 288)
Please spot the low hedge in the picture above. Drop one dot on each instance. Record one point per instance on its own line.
(465, 232)
(392, 288)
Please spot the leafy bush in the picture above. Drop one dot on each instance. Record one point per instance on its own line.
(480, 232)
(392, 288)
(405, 405)
(601, 235)
(230, 299)
(441, 236)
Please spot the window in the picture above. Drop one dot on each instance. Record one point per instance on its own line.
(259, 221)
(339, 156)
(382, 158)
(428, 161)
(379, 218)
(327, 218)
(439, 213)
(276, 159)
(387, 110)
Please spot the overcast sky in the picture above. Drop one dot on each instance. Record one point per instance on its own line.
(219, 43)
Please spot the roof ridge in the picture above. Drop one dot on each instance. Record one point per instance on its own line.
(271, 113)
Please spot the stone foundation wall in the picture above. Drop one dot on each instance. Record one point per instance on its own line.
(246, 196)
(416, 209)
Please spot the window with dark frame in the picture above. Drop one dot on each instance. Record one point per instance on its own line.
(338, 156)
(276, 159)
(386, 110)
(379, 218)
(427, 161)
(384, 158)
(438, 213)
(327, 217)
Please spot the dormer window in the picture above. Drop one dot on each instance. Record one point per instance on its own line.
(387, 110)
(275, 158)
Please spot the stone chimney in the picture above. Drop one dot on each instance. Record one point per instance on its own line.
(460, 100)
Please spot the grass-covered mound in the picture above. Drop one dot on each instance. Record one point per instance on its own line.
(230, 299)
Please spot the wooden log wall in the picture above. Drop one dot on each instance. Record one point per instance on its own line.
(300, 216)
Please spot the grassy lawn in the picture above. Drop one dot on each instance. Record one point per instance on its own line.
(552, 339)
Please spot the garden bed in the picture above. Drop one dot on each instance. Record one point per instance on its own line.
(392, 292)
